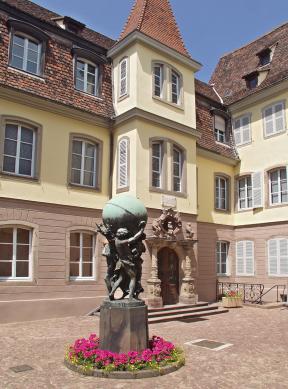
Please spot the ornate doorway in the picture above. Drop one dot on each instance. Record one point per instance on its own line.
(168, 270)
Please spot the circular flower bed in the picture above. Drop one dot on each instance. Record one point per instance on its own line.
(86, 357)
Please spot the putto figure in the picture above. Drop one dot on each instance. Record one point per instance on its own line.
(124, 263)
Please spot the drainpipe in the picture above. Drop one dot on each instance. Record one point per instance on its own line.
(111, 157)
(220, 98)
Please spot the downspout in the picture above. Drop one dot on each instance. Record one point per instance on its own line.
(220, 98)
(111, 157)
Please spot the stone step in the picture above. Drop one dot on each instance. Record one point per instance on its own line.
(178, 307)
(173, 312)
(191, 315)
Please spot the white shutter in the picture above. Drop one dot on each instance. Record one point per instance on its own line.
(283, 251)
(220, 123)
(268, 121)
(272, 256)
(123, 77)
(240, 258)
(123, 163)
(245, 128)
(279, 117)
(257, 188)
(249, 257)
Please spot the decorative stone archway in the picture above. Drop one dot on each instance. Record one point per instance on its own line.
(168, 233)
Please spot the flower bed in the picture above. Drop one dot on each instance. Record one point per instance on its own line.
(232, 299)
(161, 357)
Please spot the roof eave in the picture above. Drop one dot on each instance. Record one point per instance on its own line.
(137, 36)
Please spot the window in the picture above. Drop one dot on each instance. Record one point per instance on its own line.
(278, 186)
(19, 150)
(252, 81)
(82, 258)
(157, 161)
(175, 87)
(84, 163)
(278, 257)
(177, 169)
(220, 128)
(123, 77)
(221, 198)
(123, 161)
(245, 258)
(245, 197)
(265, 57)
(274, 119)
(26, 54)
(222, 257)
(15, 253)
(87, 77)
(158, 80)
(242, 130)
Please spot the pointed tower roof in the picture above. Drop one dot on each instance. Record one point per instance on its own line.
(155, 18)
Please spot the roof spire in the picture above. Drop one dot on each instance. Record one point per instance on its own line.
(155, 19)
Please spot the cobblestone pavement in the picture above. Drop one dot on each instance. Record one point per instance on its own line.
(258, 357)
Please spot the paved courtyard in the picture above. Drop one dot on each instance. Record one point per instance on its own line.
(258, 357)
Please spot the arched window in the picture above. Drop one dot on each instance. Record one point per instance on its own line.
(157, 164)
(15, 253)
(123, 77)
(158, 78)
(221, 193)
(123, 164)
(82, 255)
(177, 169)
(87, 77)
(175, 87)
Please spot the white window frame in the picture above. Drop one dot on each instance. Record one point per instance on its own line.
(125, 164)
(123, 78)
(82, 170)
(27, 38)
(178, 87)
(219, 199)
(159, 78)
(283, 113)
(14, 254)
(17, 157)
(160, 159)
(96, 74)
(219, 261)
(246, 193)
(220, 132)
(279, 192)
(278, 256)
(180, 165)
(239, 132)
(245, 256)
(81, 262)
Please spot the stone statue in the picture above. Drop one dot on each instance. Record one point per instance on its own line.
(168, 225)
(124, 248)
(189, 231)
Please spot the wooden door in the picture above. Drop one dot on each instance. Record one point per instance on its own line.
(168, 270)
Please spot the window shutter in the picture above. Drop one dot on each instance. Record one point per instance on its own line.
(246, 130)
(123, 77)
(240, 258)
(249, 254)
(257, 179)
(268, 121)
(272, 253)
(123, 164)
(220, 123)
(283, 249)
(279, 117)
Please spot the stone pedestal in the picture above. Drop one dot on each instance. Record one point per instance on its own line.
(188, 295)
(123, 326)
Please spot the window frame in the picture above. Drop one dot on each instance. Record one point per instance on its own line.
(162, 78)
(99, 160)
(15, 226)
(123, 188)
(174, 72)
(82, 231)
(227, 179)
(245, 274)
(217, 130)
(123, 95)
(241, 118)
(97, 75)
(270, 172)
(161, 163)
(219, 263)
(180, 150)
(264, 125)
(246, 208)
(277, 239)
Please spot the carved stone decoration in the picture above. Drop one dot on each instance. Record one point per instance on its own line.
(188, 290)
(189, 231)
(168, 225)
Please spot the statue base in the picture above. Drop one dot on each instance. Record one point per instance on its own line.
(123, 326)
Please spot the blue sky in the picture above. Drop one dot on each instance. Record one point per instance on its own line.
(210, 28)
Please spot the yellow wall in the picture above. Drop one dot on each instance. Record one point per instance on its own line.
(139, 133)
(52, 186)
(262, 154)
(206, 191)
(141, 58)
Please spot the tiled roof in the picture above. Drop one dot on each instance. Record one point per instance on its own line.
(228, 75)
(206, 90)
(155, 19)
(45, 15)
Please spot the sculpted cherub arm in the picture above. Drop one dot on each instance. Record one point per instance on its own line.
(139, 234)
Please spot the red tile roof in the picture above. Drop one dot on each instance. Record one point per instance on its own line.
(232, 67)
(45, 15)
(206, 90)
(155, 19)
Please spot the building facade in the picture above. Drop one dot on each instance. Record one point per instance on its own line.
(85, 118)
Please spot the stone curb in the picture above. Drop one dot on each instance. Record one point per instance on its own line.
(127, 375)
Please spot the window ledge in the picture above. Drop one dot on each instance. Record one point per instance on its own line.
(98, 98)
(244, 144)
(122, 190)
(19, 177)
(245, 275)
(275, 134)
(222, 144)
(178, 106)
(83, 187)
(24, 73)
(124, 97)
(281, 205)
(222, 210)
(16, 281)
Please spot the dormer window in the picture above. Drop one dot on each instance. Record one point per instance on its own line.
(87, 77)
(220, 128)
(264, 57)
(251, 80)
